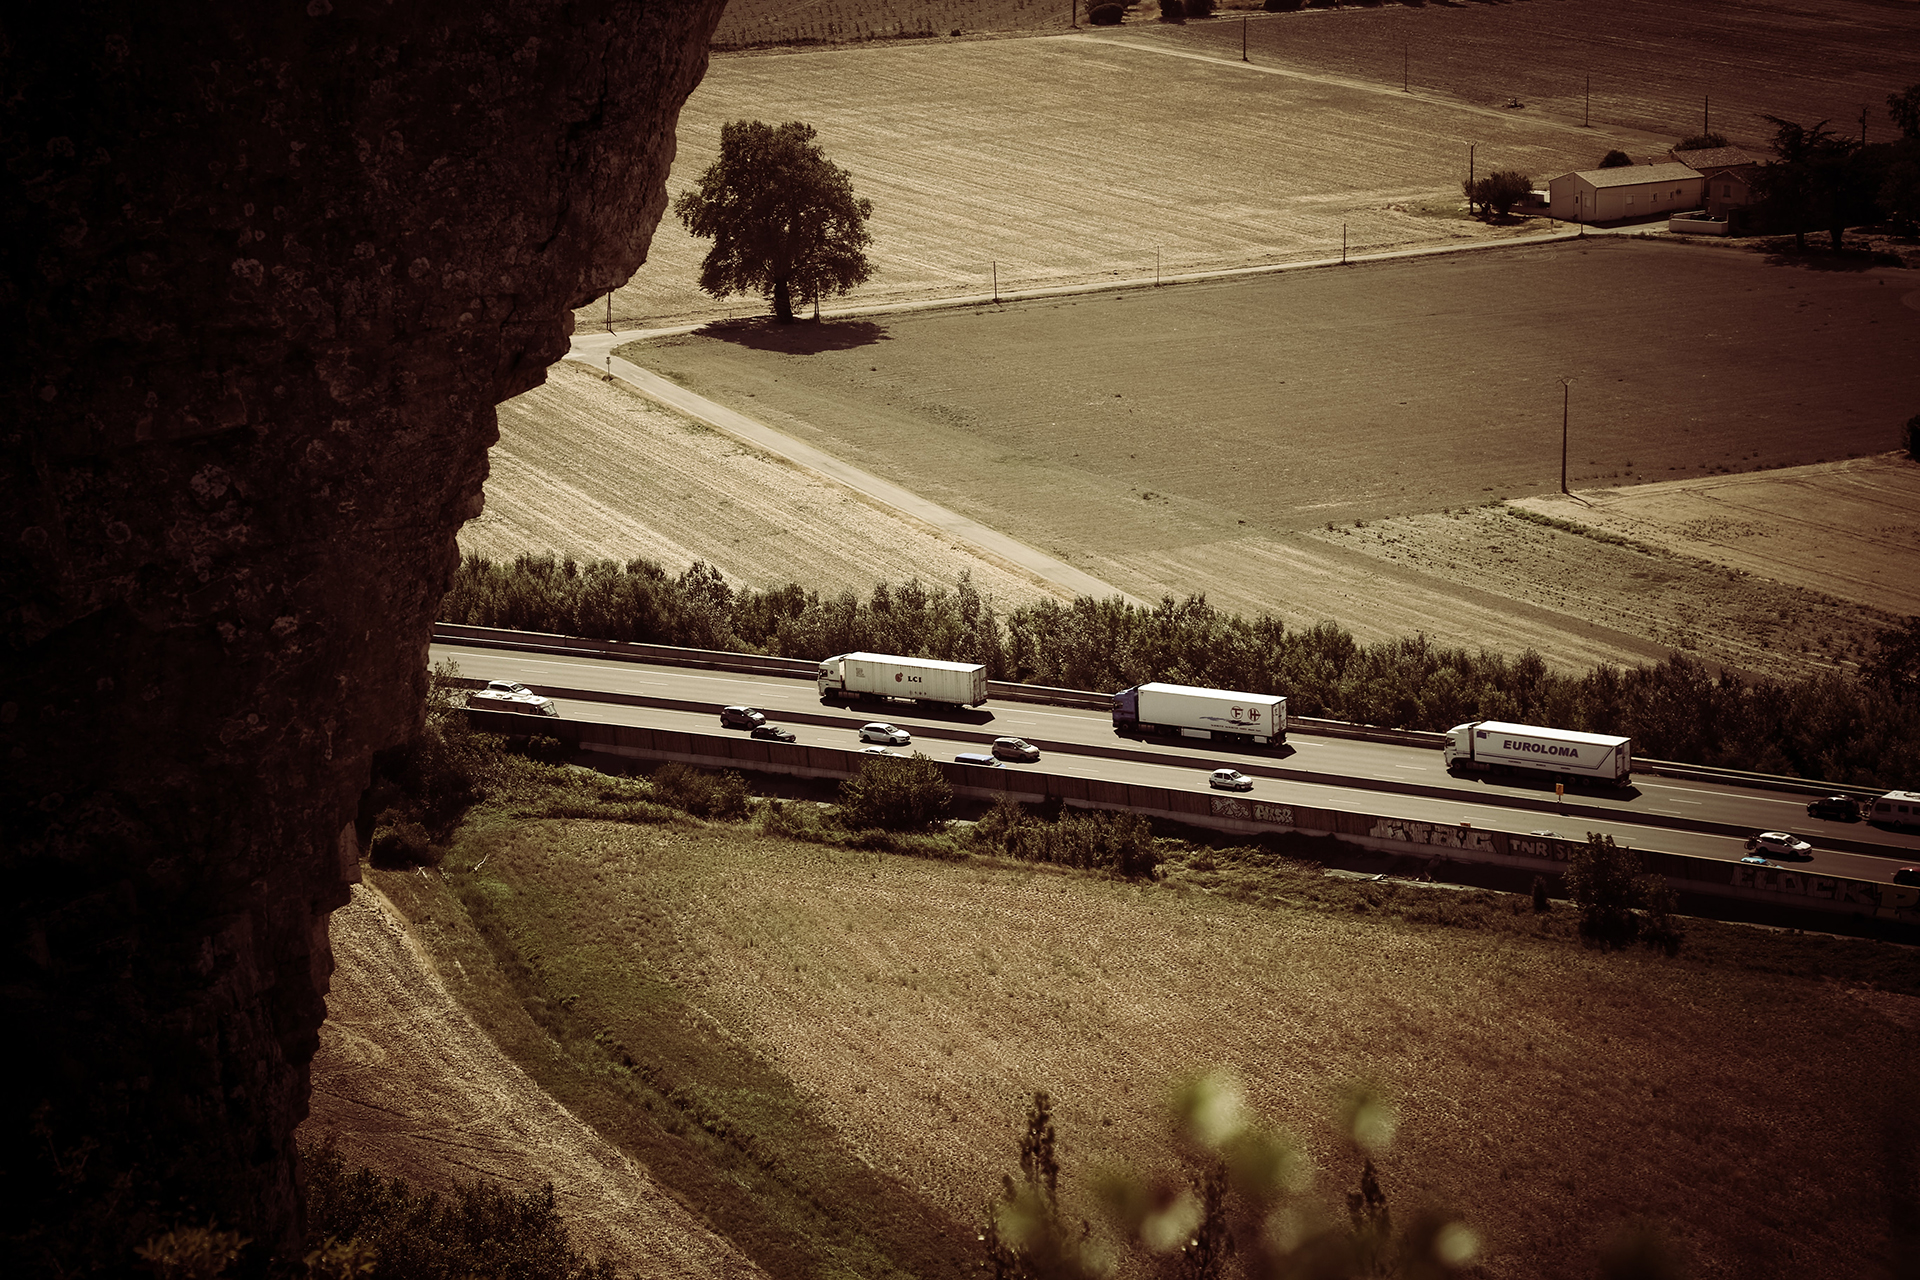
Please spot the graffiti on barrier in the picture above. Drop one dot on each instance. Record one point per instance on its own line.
(1534, 847)
(1279, 815)
(1431, 833)
(1806, 884)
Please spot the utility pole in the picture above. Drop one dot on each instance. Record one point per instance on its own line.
(1586, 120)
(1863, 124)
(1706, 113)
(1406, 65)
(1470, 147)
(1156, 268)
(1243, 39)
(610, 296)
(1343, 244)
(996, 281)
(1073, 13)
(1566, 392)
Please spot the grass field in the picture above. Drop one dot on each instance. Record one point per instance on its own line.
(774, 997)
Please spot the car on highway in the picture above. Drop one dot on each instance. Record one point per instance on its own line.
(1780, 844)
(980, 758)
(511, 695)
(878, 751)
(1015, 749)
(887, 734)
(1907, 875)
(772, 733)
(741, 718)
(1838, 808)
(1758, 860)
(1229, 780)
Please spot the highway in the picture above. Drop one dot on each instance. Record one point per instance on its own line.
(1675, 816)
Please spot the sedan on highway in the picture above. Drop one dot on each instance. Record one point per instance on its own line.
(980, 758)
(1229, 780)
(1015, 749)
(1839, 808)
(886, 734)
(772, 733)
(1758, 860)
(1779, 844)
(1907, 875)
(741, 718)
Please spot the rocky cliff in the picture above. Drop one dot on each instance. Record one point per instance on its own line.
(268, 267)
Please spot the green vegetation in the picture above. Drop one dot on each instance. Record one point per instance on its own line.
(360, 1224)
(1498, 192)
(1861, 730)
(890, 793)
(1702, 142)
(1615, 160)
(782, 217)
(1620, 900)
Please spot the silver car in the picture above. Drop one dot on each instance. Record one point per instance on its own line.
(885, 734)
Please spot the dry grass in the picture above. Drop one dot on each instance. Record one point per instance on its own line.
(588, 469)
(1547, 1091)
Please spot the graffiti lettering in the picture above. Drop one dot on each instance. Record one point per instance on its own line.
(1549, 850)
(1862, 893)
(1430, 833)
(1279, 815)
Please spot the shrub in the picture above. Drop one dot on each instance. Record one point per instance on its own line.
(1701, 142)
(1501, 190)
(402, 844)
(1280, 6)
(1541, 903)
(1913, 437)
(1173, 10)
(1199, 8)
(481, 1231)
(700, 793)
(1121, 843)
(892, 794)
(1613, 888)
(1615, 160)
(1106, 15)
(795, 820)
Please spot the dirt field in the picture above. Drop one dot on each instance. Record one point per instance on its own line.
(1550, 1092)
(1272, 408)
(405, 1083)
(595, 471)
(1074, 158)
(1069, 159)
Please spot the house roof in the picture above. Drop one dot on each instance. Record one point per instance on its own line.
(1715, 158)
(1635, 175)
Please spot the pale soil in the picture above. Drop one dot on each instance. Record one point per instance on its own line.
(588, 468)
(406, 1084)
(1549, 1094)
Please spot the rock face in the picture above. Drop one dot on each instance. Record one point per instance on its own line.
(268, 268)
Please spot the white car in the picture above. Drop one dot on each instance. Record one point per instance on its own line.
(511, 695)
(878, 751)
(889, 735)
(1229, 780)
(1779, 844)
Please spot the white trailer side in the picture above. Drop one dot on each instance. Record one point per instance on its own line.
(884, 675)
(1494, 746)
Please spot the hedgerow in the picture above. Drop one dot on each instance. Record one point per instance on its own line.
(1862, 729)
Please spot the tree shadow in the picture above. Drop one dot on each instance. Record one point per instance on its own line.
(801, 338)
(1825, 259)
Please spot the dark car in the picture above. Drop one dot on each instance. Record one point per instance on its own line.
(772, 732)
(1015, 749)
(1907, 875)
(1839, 808)
(741, 718)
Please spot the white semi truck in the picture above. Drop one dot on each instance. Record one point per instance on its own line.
(1491, 746)
(882, 675)
(1259, 718)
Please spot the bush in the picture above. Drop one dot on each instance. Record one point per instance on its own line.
(1173, 10)
(1701, 142)
(1280, 6)
(700, 793)
(1199, 8)
(402, 844)
(1615, 160)
(1502, 190)
(1619, 898)
(1913, 437)
(1121, 843)
(1541, 902)
(892, 794)
(1106, 15)
(482, 1231)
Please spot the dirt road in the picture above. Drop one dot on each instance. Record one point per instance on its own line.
(407, 1085)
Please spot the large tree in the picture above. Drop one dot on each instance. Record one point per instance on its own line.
(782, 217)
(1819, 178)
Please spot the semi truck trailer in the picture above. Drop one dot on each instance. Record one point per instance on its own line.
(882, 675)
(1490, 746)
(1259, 718)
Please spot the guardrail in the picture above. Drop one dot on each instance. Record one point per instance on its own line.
(804, 669)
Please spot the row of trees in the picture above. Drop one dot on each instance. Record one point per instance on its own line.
(1823, 179)
(1841, 727)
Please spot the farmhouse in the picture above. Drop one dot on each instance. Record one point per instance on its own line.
(1729, 176)
(1631, 191)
